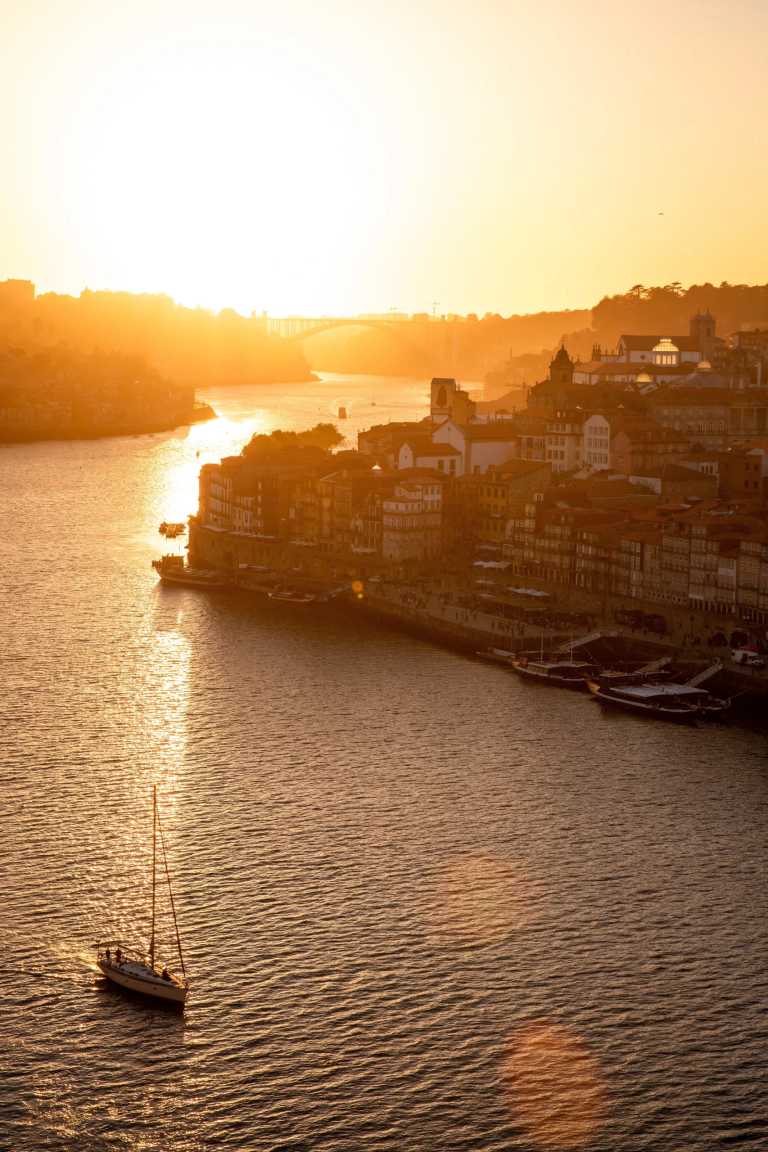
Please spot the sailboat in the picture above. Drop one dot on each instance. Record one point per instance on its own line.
(134, 969)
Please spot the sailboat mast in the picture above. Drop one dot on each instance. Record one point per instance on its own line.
(170, 893)
(154, 853)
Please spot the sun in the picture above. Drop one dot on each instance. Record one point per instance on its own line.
(223, 179)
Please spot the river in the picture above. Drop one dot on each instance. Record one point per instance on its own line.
(424, 905)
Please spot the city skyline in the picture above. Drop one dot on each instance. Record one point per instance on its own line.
(498, 158)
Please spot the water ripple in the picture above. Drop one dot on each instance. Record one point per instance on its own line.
(424, 906)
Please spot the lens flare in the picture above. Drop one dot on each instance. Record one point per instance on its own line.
(554, 1086)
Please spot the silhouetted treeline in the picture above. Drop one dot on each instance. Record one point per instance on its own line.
(189, 345)
(667, 310)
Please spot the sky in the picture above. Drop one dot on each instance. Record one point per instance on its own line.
(327, 159)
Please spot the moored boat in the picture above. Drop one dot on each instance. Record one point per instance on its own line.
(291, 596)
(676, 702)
(496, 656)
(572, 674)
(645, 694)
(173, 570)
(130, 967)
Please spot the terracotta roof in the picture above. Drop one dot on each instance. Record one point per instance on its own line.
(752, 443)
(692, 398)
(647, 343)
(645, 533)
(428, 448)
(521, 467)
(702, 454)
(431, 474)
(675, 472)
(634, 368)
(702, 380)
(531, 426)
(401, 426)
(503, 430)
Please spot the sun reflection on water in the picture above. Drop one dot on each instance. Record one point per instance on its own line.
(205, 443)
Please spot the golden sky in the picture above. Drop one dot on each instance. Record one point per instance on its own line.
(337, 157)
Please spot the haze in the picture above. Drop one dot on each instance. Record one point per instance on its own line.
(337, 158)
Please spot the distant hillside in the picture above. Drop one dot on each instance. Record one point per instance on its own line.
(667, 311)
(188, 345)
(57, 394)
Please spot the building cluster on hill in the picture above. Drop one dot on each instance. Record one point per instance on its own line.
(641, 474)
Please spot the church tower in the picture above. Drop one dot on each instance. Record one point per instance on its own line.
(449, 402)
(703, 331)
(561, 369)
(442, 390)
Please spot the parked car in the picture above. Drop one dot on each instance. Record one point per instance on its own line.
(747, 658)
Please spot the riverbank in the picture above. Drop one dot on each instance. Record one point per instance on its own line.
(449, 608)
(24, 430)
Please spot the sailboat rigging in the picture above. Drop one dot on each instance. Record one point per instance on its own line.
(130, 967)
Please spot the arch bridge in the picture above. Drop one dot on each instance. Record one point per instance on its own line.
(301, 327)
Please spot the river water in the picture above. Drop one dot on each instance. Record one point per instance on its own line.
(424, 905)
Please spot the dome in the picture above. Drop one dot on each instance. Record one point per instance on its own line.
(666, 353)
(644, 378)
(703, 366)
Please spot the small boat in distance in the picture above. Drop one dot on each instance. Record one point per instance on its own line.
(172, 530)
(291, 596)
(172, 570)
(130, 967)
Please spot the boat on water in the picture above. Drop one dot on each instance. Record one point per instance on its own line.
(680, 703)
(171, 529)
(619, 678)
(668, 699)
(496, 656)
(292, 596)
(130, 967)
(572, 674)
(173, 570)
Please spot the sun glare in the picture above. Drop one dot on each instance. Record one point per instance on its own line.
(222, 179)
(206, 443)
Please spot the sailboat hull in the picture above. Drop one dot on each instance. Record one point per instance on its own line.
(130, 976)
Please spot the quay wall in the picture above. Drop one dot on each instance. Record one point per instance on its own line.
(433, 616)
(431, 605)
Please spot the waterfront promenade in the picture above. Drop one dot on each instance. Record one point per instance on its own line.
(459, 607)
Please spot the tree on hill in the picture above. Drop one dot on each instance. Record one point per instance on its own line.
(667, 310)
(308, 447)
